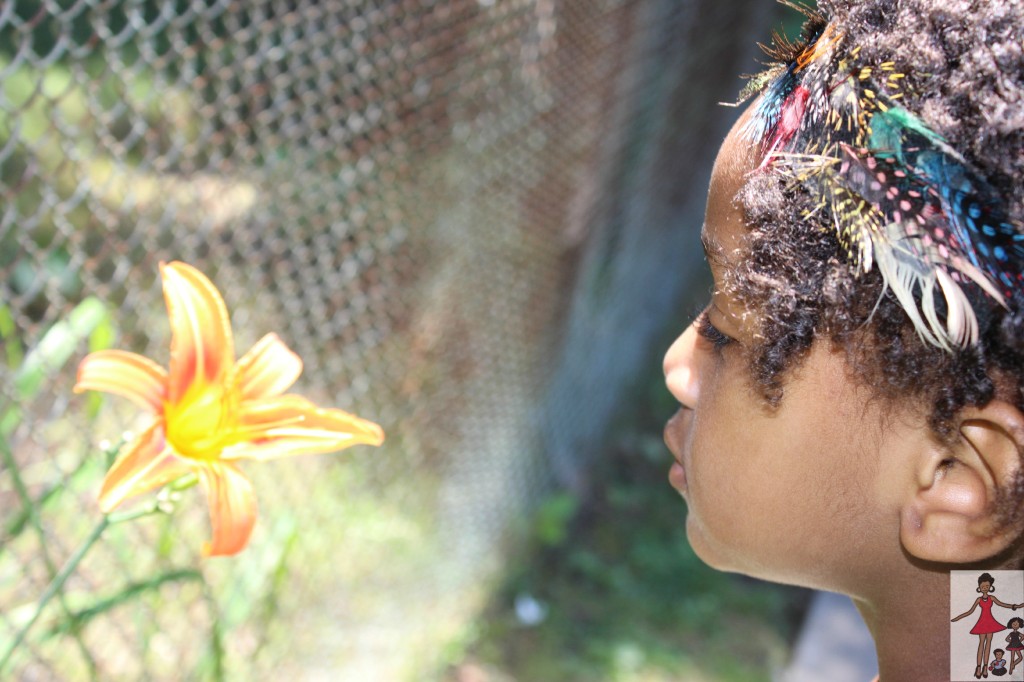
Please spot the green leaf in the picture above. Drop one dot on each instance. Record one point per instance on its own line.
(103, 335)
(101, 338)
(9, 421)
(553, 518)
(12, 347)
(58, 345)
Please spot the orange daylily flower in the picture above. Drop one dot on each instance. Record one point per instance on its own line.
(210, 411)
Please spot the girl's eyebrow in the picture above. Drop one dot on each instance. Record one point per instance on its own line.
(713, 251)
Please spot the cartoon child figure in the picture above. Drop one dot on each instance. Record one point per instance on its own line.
(986, 625)
(998, 665)
(1013, 642)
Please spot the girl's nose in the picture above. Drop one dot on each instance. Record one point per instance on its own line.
(681, 368)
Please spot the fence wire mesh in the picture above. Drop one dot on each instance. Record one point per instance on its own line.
(464, 215)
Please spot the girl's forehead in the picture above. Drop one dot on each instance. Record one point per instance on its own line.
(724, 225)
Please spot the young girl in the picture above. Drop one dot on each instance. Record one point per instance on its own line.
(1013, 642)
(852, 412)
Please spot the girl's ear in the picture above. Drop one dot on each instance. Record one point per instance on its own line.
(952, 515)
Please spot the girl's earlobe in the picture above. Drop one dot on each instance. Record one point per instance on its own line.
(953, 514)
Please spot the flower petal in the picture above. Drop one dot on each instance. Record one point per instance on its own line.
(291, 425)
(232, 507)
(202, 349)
(268, 369)
(126, 374)
(146, 463)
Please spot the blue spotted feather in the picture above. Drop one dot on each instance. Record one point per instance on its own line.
(901, 199)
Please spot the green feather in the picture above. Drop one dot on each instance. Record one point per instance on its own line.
(889, 131)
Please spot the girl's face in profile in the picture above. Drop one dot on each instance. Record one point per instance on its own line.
(796, 493)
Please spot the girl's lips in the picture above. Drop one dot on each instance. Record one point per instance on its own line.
(674, 431)
(677, 477)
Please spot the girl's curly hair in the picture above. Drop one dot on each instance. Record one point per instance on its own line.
(965, 61)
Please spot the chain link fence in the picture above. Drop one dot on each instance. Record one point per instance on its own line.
(470, 218)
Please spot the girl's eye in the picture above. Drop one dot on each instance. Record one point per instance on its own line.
(712, 333)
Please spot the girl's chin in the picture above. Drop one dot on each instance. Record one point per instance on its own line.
(730, 559)
(703, 547)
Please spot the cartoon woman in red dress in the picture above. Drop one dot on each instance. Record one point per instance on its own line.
(986, 625)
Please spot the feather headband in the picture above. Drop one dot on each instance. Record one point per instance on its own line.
(899, 197)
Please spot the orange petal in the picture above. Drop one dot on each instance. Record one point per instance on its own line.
(232, 507)
(202, 349)
(126, 374)
(146, 463)
(291, 425)
(268, 369)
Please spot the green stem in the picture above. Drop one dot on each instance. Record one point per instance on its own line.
(147, 509)
(163, 503)
(216, 633)
(31, 510)
(54, 587)
(184, 483)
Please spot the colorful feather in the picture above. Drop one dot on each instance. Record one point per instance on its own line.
(901, 199)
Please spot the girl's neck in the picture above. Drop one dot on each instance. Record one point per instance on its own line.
(909, 621)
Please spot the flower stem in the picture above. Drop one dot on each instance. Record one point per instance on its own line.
(146, 510)
(31, 510)
(54, 588)
(163, 504)
(184, 483)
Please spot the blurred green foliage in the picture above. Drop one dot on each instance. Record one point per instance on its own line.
(74, 25)
(622, 594)
(89, 320)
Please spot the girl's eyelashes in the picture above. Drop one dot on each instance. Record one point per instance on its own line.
(713, 334)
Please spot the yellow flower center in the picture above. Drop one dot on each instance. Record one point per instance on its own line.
(200, 426)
